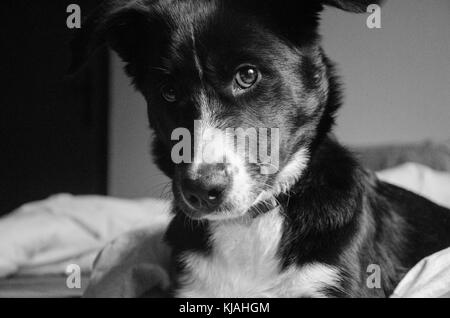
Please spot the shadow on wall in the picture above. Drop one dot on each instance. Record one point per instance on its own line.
(396, 80)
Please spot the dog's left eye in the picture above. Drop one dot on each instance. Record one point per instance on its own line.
(169, 93)
(246, 77)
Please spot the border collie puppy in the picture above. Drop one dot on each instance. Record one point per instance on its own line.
(313, 228)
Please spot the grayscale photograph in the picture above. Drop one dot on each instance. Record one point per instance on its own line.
(219, 157)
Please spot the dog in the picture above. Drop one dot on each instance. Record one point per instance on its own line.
(312, 228)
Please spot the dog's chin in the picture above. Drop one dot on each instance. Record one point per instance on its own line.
(217, 215)
(226, 212)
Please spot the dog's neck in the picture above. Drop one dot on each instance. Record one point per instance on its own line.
(316, 216)
(325, 198)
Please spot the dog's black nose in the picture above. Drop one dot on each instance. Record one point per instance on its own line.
(207, 190)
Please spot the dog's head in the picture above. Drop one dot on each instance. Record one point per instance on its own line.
(238, 91)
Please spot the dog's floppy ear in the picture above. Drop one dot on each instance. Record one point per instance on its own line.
(357, 6)
(121, 24)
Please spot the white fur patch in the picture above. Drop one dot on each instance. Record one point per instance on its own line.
(287, 177)
(213, 146)
(245, 264)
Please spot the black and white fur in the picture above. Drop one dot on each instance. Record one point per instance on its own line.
(312, 229)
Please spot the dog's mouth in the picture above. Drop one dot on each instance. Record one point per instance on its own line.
(227, 210)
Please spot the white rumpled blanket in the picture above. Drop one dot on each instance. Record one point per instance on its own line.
(44, 237)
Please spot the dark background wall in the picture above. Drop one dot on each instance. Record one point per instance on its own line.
(53, 128)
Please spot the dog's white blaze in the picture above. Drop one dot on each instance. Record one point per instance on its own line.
(213, 146)
(206, 136)
(244, 263)
(195, 54)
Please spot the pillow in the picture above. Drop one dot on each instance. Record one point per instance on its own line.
(430, 154)
(424, 181)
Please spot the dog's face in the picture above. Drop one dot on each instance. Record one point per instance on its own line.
(209, 68)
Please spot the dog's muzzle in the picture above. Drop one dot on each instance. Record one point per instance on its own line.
(206, 190)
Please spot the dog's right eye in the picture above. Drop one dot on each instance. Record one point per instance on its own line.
(169, 93)
(246, 77)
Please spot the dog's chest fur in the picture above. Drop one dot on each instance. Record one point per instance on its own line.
(244, 262)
